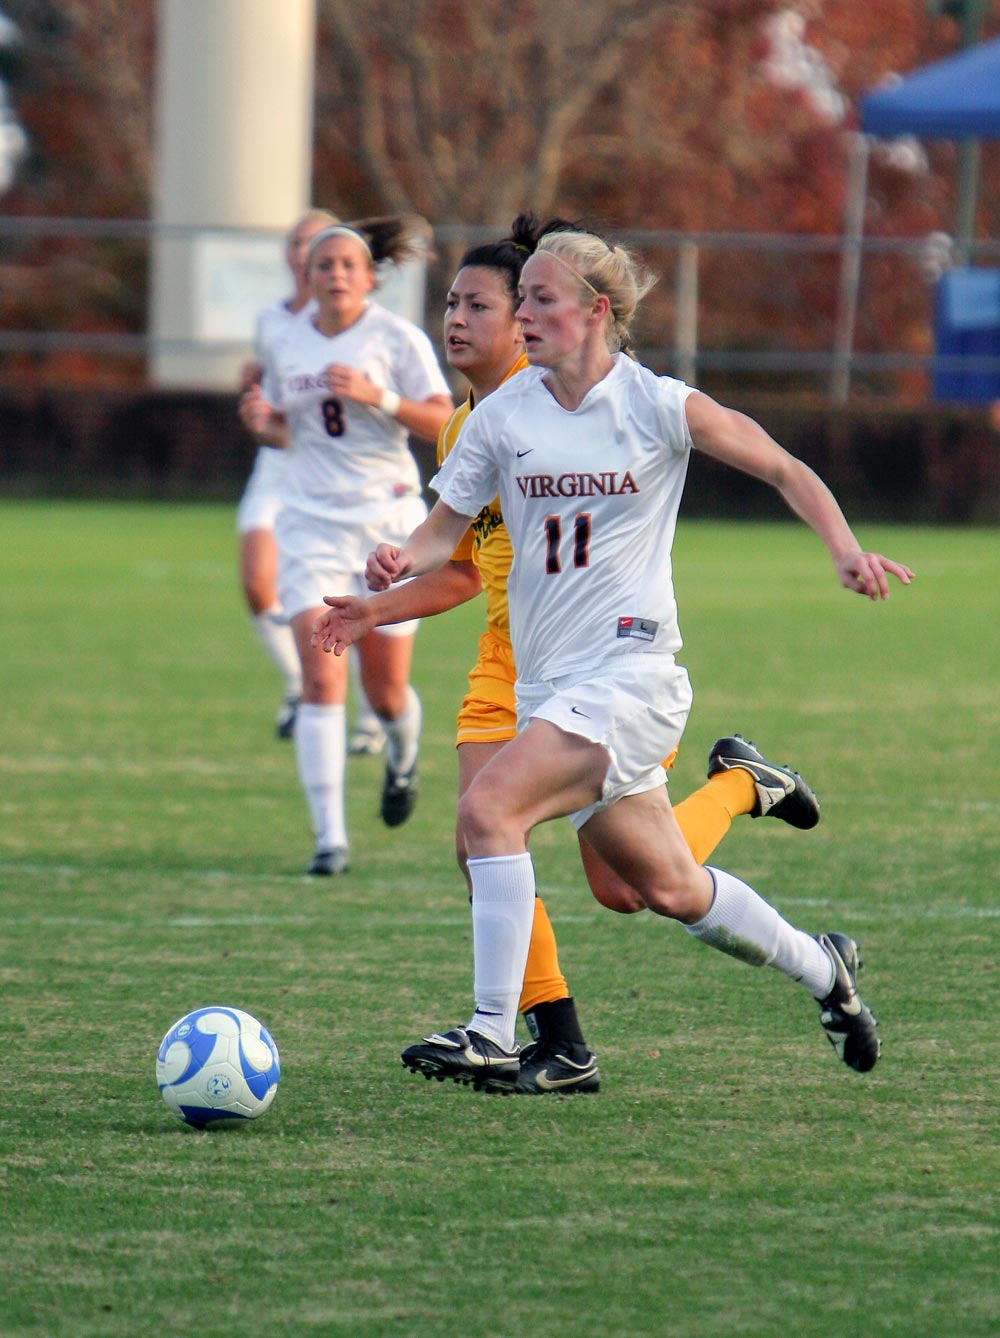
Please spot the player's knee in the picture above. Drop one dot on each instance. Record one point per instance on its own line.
(617, 897)
(481, 818)
(624, 905)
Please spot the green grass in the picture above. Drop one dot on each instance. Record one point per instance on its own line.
(729, 1179)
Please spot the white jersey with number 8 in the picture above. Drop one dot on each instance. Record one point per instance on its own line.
(348, 460)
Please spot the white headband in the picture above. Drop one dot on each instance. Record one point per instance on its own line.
(544, 250)
(338, 230)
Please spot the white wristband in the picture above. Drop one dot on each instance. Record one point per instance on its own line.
(389, 403)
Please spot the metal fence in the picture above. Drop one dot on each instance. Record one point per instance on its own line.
(771, 311)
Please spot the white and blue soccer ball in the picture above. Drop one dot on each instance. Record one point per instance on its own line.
(217, 1064)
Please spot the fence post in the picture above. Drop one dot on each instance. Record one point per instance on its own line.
(686, 326)
(850, 268)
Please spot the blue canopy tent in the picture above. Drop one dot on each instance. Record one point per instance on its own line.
(957, 98)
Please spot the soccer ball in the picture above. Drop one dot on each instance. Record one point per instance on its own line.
(217, 1064)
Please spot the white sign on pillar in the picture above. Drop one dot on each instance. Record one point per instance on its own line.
(233, 171)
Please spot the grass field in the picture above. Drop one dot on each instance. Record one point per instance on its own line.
(731, 1178)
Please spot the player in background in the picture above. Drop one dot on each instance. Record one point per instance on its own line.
(261, 501)
(482, 339)
(347, 385)
(588, 451)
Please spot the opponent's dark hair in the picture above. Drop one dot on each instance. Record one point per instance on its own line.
(508, 255)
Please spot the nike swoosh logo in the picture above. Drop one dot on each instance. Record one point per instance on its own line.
(547, 1084)
(527, 452)
(575, 710)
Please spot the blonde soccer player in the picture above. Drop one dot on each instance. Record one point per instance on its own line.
(483, 340)
(588, 451)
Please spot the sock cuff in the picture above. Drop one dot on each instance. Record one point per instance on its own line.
(320, 710)
(482, 861)
(502, 877)
(412, 709)
(714, 915)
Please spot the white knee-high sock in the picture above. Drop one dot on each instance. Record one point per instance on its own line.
(278, 640)
(503, 907)
(320, 751)
(741, 923)
(403, 733)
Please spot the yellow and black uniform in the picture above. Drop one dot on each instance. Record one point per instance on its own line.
(488, 713)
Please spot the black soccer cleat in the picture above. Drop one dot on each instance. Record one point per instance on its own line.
(399, 794)
(781, 792)
(546, 1067)
(467, 1057)
(847, 1020)
(284, 721)
(328, 863)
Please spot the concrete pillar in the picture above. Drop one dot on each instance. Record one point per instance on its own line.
(233, 170)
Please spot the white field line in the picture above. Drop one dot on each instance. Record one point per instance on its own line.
(849, 911)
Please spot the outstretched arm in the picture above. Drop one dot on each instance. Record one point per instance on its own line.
(428, 547)
(349, 618)
(737, 440)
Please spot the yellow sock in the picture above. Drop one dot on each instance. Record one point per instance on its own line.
(705, 816)
(543, 981)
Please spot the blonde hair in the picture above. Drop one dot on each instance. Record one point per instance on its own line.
(323, 216)
(602, 269)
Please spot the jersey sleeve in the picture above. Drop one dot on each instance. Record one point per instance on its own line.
(445, 444)
(469, 478)
(672, 395)
(418, 374)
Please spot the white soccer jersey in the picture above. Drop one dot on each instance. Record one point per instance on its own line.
(272, 324)
(590, 499)
(347, 461)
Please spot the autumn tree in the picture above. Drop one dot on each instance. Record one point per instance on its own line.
(80, 76)
(640, 114)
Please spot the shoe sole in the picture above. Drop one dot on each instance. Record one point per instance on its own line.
(430, 1068)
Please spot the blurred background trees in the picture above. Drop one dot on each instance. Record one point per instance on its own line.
(714, 117)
